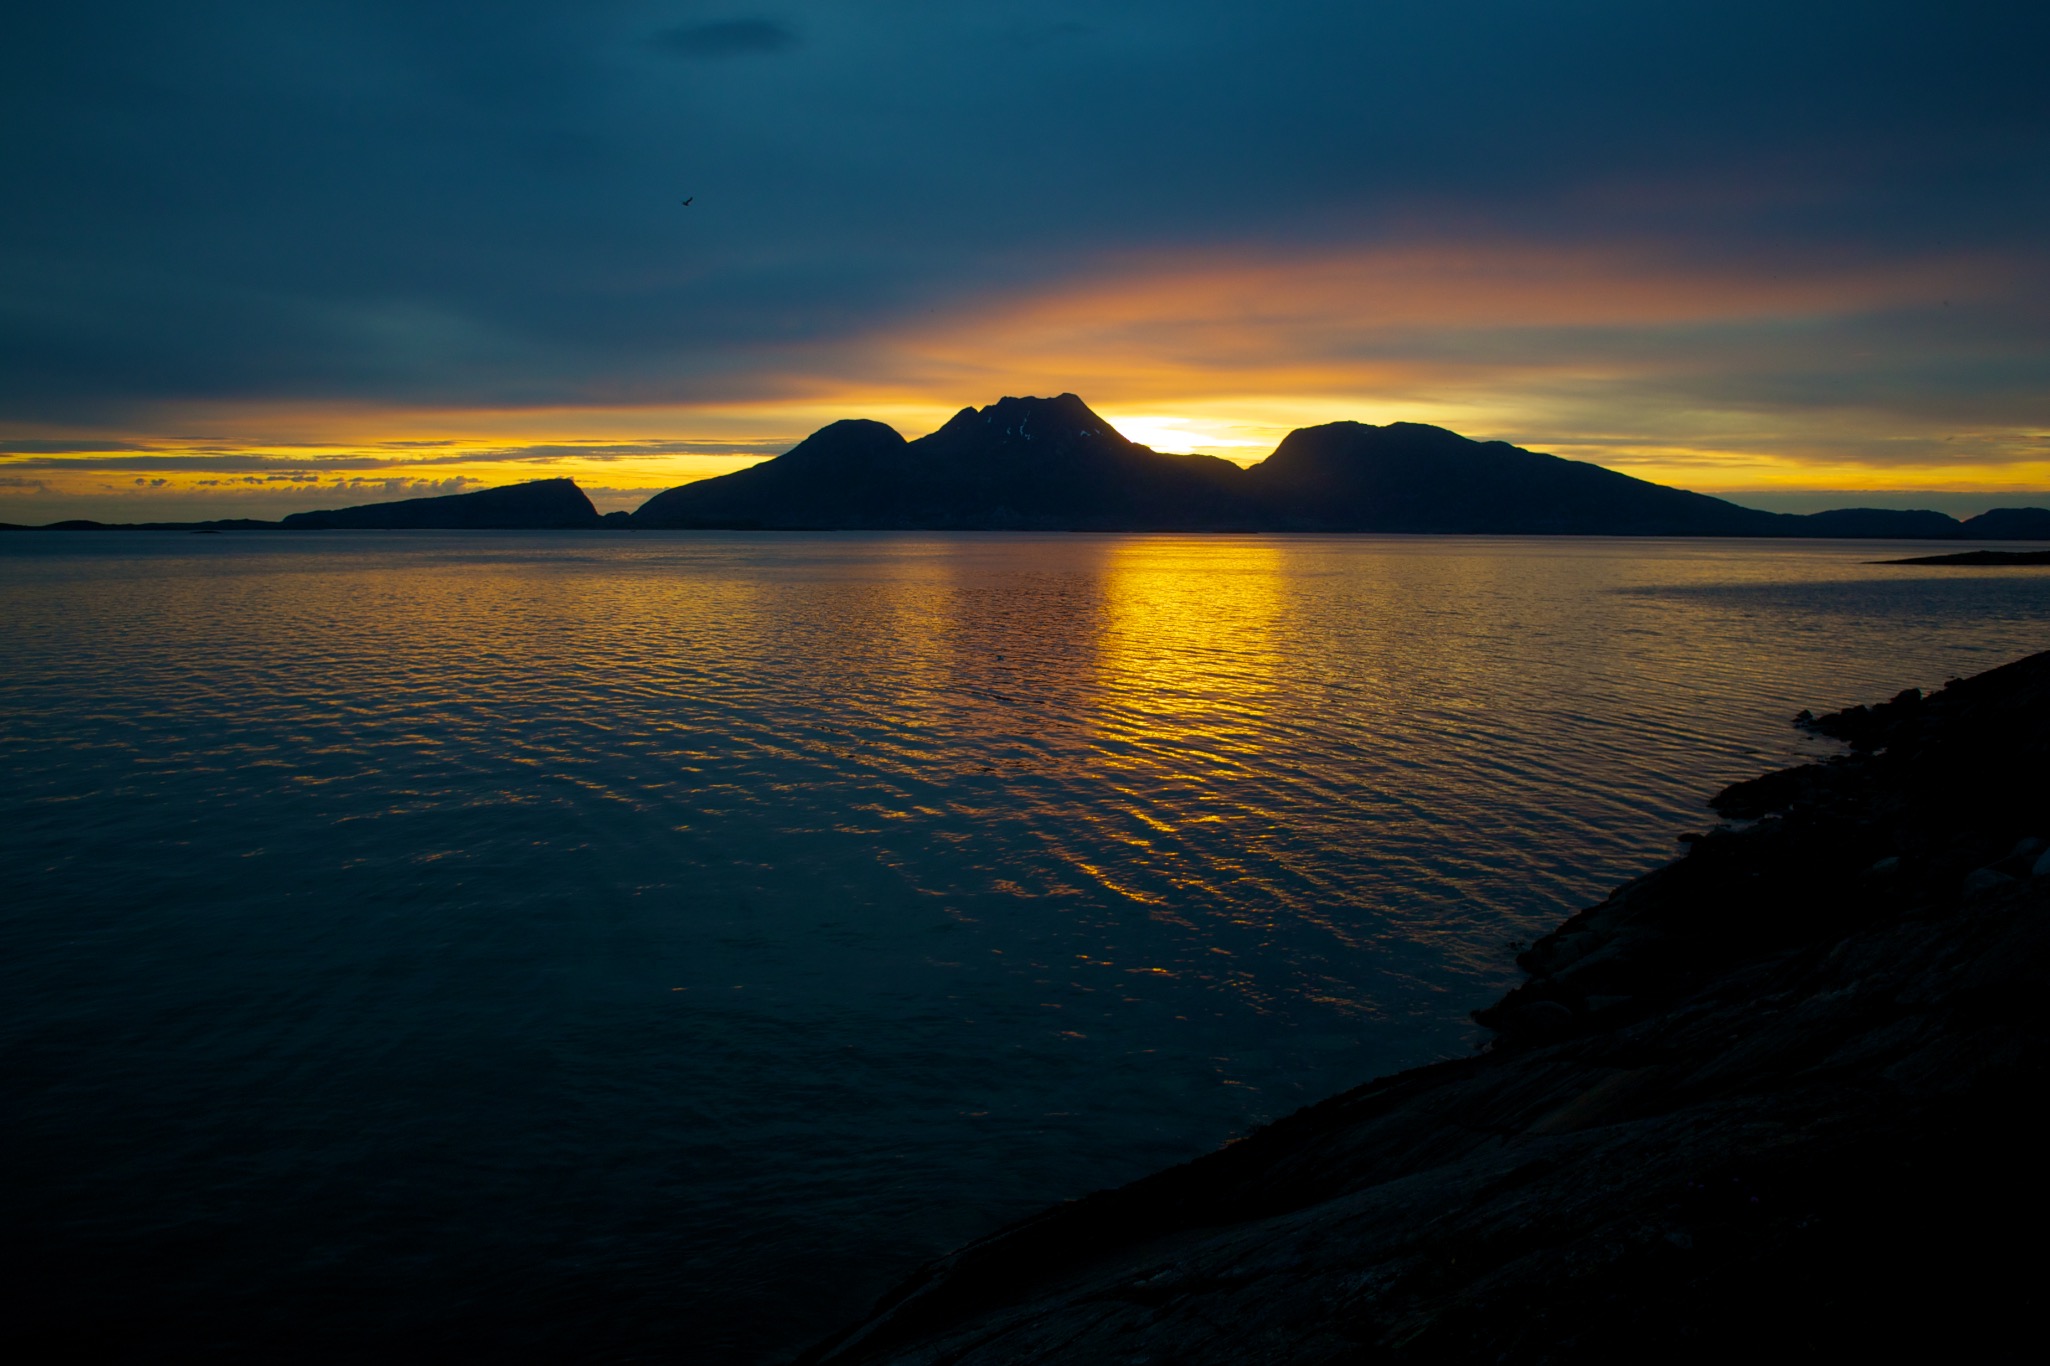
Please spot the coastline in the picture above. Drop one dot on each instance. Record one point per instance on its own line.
(1779, 1090)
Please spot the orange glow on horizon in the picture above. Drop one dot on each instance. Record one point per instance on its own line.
(1572, 351)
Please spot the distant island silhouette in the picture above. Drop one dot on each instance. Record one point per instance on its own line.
(1052, 464)
(537, 505)
(541, 505)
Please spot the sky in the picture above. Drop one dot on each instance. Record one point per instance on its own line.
(257, 257)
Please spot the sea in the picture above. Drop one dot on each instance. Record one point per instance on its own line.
(607, 947)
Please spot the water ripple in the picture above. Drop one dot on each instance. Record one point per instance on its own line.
(595, 945)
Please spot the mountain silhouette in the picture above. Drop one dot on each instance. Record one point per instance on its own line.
(1884, 523)
(2007, 524)
(1046, 464)
(541, 504)
(1349, 476)
(1053, 464)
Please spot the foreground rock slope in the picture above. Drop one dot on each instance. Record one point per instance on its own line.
(1781, 1095)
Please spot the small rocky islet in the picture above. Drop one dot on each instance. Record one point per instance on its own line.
(1777, 1096)
(1979, 558)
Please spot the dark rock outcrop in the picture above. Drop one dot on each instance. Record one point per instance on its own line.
(1778, 1096)
(541, 504)
(1019, 464)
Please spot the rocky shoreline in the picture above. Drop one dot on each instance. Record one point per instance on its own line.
(1779, 1095)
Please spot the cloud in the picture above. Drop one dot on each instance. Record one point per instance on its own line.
(112, 456)
(1700, 225)
(1063, 31)
(62, 446)
(618, 450)
(409, 488)
(726, 38)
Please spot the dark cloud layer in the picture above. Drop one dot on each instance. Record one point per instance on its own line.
(432, 202)
(126, 456)
(726, 38)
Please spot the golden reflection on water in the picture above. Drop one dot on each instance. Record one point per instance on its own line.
(1192, 646)
(850, 871)
(1190, 661)
(1289, 751)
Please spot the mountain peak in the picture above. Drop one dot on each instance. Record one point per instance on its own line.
(1028, 419)
(1041, 464)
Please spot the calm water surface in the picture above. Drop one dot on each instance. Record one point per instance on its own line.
(593, 947)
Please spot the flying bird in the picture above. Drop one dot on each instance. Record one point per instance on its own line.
(686, 203)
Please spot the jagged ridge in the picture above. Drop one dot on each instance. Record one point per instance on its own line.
(1018, 464)
(1053, 464)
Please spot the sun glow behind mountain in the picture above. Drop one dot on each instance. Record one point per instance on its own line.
(1734, 250)
(1728, 377)
(1241, 443)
